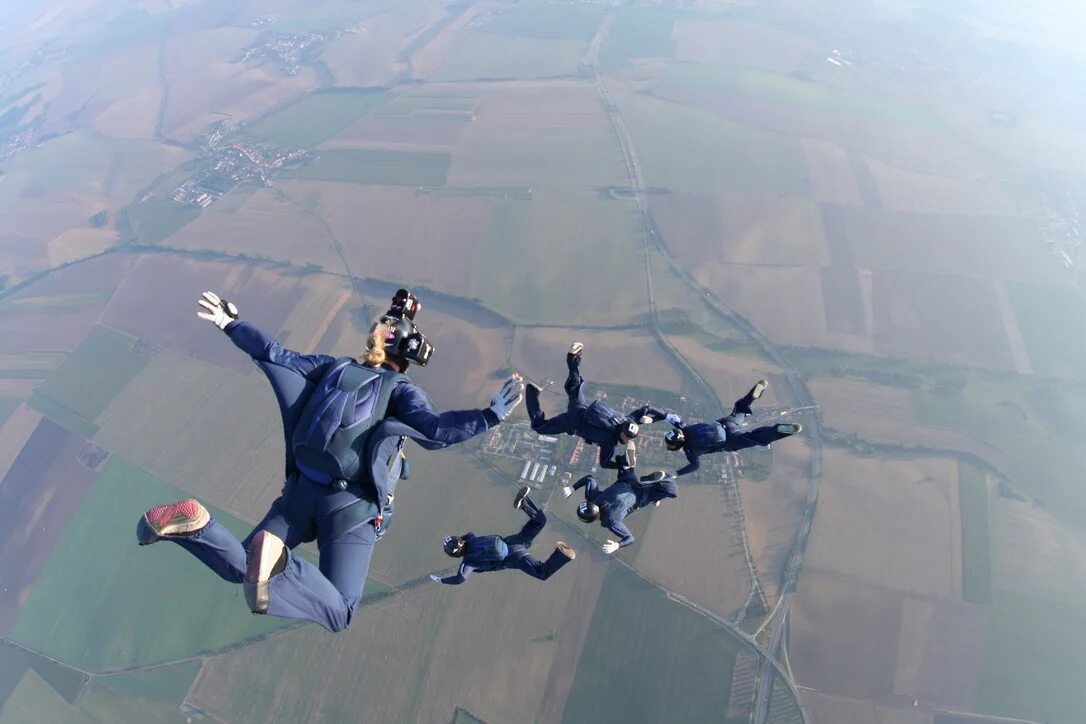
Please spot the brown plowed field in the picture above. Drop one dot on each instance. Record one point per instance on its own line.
(38, 497)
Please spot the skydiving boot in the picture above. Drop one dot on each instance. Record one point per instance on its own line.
(267, 558)
(184, 518)
(756, 391)
(789, 428)
(565, 550)
(521, 495)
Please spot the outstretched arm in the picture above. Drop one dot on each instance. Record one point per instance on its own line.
(263, 348)
(461, 575)
(411, 406)
(625, 537)
(693, 465)
(654, 414)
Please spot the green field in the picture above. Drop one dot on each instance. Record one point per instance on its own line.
(548, 20)
(92, 375)
(730, 80)
(638, 32)
(976, 540)
(104, 603)
(8, 405)
(422, 103)
(489, 56)
(1053, 323)
(649, 659)
(567, 241)
(1034, 659)
(366, 166)
(711, 153)
(58, 301)
(167, 683)
(1007, 413)
(314, 119)
(154, 219)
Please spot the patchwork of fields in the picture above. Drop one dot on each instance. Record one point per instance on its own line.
(859, 186)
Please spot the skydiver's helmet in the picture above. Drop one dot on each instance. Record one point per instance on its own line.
(588, 512)
(627, 430)
(455, 546)
(675, 440)
(403, 340)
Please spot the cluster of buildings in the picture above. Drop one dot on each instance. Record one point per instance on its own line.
(227, 162)
(288, 50)
(1059, 222)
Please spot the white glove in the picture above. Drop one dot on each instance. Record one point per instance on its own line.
(567, 491)
(609, 547)
(435, 579)
(219, 311)
(645, 420)
(673, 418)
(510, 395)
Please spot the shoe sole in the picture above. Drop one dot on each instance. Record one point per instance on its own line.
(758, 389)
(264, 553)
(566, 550)
(789, 428)
(521, 495)
(182, 518)
(575, 349)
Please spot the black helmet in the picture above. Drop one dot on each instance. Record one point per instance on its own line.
(675, 440)
(588, 512)
(455, 546)
(627, 430)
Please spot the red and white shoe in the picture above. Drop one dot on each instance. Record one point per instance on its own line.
(267, 558)
(183, 518)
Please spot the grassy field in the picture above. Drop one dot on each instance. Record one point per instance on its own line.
(532, 249)
(167, 684)
(127, 592)
(1035, 657)
(396, 168)
(638, 32)
(316, 118)
(154, 220)
(649, 659)
(976, 543)
(742, 80)
(1040, 460)
(94, 373)
(1053, 322)
(712, 153)
(492, 56)
(548, 20)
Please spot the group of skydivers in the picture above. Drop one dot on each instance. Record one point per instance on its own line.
(346, 422)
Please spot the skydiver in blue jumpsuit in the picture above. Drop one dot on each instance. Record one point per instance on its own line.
(486, 553)
(596, 424)
(612, 505)
(726, 434)
(345, 519)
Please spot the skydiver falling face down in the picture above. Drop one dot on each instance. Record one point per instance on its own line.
(481, 554)
(627, 494)
(729, 433)
(344, 512)
(595, 423)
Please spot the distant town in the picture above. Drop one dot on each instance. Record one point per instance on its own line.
(226, 161)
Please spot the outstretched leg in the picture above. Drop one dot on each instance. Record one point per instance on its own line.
(561, 556)
(742, 411)
(536, 521)
(211, 542)
(564, 423)
(762, 436)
